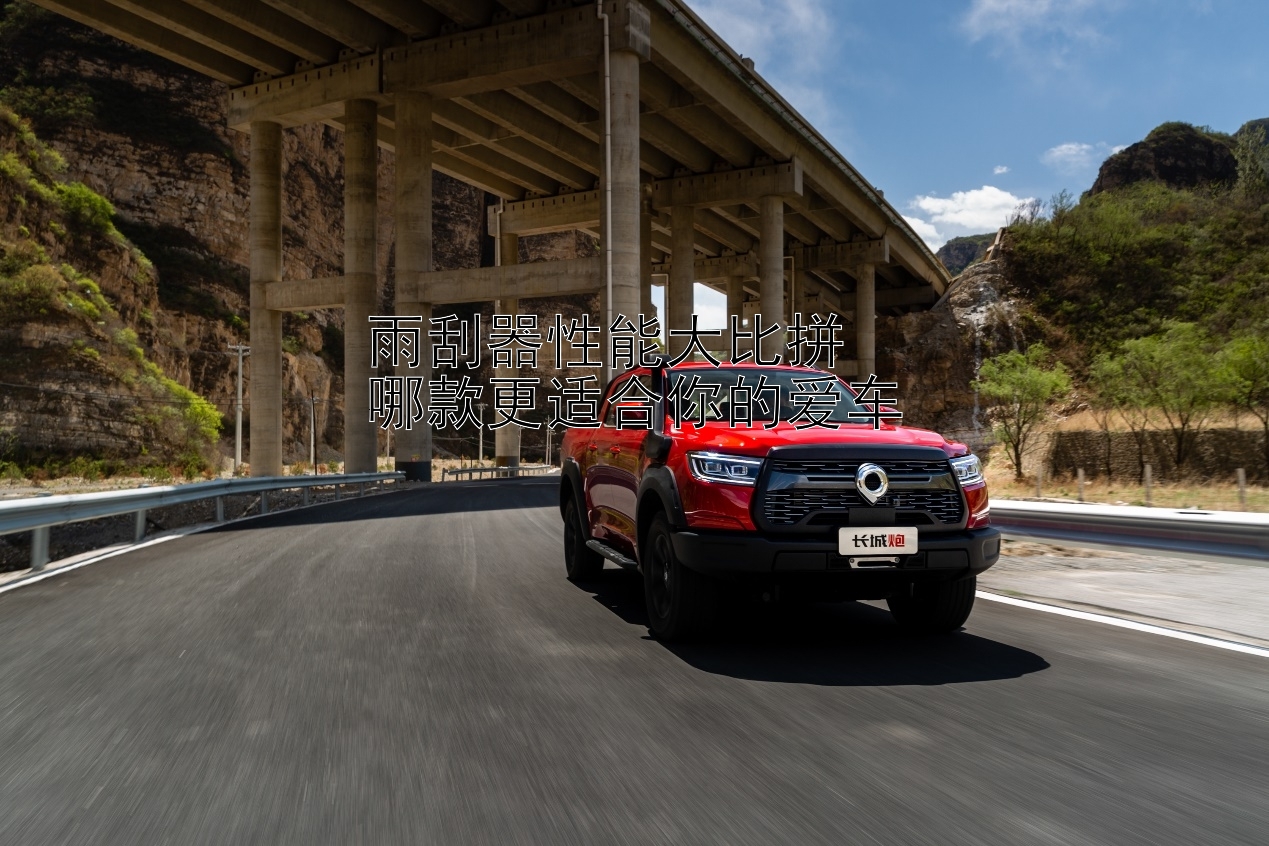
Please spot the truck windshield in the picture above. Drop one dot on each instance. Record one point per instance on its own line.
(710, 391)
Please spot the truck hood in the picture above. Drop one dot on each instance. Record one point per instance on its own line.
(720, 437)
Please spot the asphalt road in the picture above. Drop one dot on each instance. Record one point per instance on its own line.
(414, 668)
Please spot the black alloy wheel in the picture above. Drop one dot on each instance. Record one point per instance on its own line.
(681, 602)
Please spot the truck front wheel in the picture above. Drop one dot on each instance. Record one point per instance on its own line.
(934, 608)
(681, 602)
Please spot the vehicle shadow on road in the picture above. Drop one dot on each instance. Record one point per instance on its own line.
(836, 644)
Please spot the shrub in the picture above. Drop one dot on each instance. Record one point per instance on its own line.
(18, 257)
(86, 208)
(201, 415)
(31, 293)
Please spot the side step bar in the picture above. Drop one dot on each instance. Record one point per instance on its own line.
(611, 554)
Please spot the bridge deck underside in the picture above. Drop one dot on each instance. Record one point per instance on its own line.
(518, 90)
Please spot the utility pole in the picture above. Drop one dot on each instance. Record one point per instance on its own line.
(548, 445)
(480, 449)
(312, 433)
(242, 350)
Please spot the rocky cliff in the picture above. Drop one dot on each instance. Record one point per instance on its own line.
(1177, 154)
(959, 253)
(935, 354)
(151, 138)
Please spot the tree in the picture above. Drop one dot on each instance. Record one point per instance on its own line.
(1022, 389)
(1245, 361)
(1174, 372)
(1117, 392)
(1250, 154)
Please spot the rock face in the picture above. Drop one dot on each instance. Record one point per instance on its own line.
(935, 354)
(959, 253)
(1176, 154)
(151, 137)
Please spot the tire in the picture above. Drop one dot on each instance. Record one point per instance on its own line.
(681, 602)
(580, 561)
(934, 609)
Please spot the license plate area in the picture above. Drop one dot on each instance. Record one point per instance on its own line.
(870, 542)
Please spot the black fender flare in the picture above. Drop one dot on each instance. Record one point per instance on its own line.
(658, 487)
(571, 486)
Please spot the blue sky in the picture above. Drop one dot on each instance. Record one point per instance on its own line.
(960, 109)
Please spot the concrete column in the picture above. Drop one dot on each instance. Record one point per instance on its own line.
(771, 271)
(360, 224)
(413, 217)
(679, 295)
(646, 306)
(506, 439)
(735, 305)
(265, 238)
(624, 182)
(866, 320)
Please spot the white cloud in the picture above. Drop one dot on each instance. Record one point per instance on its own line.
(927, 232)
(1000, 169)
(1014, 19)
(793, 43)
(971, 212)
(796, 32)
(1040, 36)
(1076, 158)
(980, 210)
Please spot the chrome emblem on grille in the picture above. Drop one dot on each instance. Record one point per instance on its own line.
(871, 482)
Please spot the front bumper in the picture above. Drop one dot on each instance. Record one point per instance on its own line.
(954, 554)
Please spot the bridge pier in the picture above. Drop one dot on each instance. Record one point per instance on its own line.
(866, 320)
(266, 324)
(413, 217)
(680, 297)
(646, 306)
(507, 438)
(361, 161)
(735, 306)
(625, 226)
(771, 271)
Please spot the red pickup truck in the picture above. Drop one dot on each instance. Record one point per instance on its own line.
(786, 509)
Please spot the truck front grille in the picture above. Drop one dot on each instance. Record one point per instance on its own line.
(922, 493)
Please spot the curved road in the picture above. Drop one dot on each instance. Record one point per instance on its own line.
(414, 668)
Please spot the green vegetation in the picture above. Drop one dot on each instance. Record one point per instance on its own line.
(1245, 362)
(1155, 284)
(1179, 378)
(1121, 263)
(1253, 161)
(90, 346)
(86, 208)
(1021, 386)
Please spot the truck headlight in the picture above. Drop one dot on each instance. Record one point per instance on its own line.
(732, 469)
(968, 470)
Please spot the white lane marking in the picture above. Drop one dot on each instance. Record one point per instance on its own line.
(57, 571)
(1178, 634)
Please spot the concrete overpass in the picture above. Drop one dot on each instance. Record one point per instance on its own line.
(631, 120)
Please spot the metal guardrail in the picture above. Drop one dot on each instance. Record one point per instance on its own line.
(1226, 534)
(38, 514)
(496, 472)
